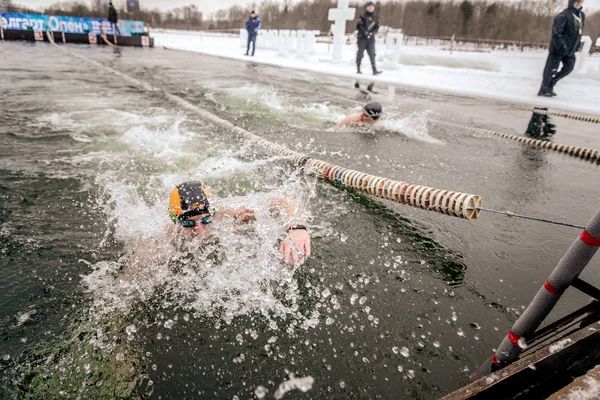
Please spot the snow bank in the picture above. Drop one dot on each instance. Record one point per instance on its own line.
(509, 76)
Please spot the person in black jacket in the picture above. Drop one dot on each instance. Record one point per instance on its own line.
(113, 17)
(566, 38)
(367, 26)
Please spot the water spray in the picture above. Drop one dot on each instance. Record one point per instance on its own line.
(447, 202)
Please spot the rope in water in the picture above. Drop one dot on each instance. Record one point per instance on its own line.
(462, 205)
(512, 214)
(557, 114)
(591, 155)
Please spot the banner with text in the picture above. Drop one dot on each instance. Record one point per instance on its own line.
(58, 23)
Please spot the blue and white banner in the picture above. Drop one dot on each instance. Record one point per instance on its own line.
(38, 22)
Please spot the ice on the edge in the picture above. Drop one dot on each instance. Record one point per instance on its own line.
(558, 346)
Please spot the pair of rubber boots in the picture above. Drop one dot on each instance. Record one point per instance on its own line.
(548, 91)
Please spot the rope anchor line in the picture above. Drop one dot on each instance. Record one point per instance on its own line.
(591, 155)
(557, 114)
(548, 221)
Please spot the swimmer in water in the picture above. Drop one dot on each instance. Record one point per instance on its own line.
(190, 211)
(370, 113)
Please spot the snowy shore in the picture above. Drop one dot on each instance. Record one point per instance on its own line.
(511, 76)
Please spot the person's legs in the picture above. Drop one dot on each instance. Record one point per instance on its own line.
(249, 41)
(568, 63)
(550, 69)
(372, 55)
(254, 35)
(362, 45)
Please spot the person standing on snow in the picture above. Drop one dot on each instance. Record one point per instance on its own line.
(113, 18)
(566, 38)
(253, 24)
(367, 26)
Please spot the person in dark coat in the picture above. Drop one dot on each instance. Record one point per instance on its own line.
(113, 18)
(566, 38)
(367, 26)
(253, 24)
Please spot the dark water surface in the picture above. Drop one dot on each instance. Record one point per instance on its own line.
(396, 302)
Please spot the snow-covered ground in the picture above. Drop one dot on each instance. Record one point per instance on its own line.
(512, 76)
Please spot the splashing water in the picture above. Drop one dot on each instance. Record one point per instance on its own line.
(413, 126)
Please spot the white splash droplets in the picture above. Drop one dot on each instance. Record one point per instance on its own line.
(169, 324)
(437, 344)
(303, 384)
(353, 298)
(410, 373)
(130, 330)
(460, 332)
(405, 352)
(395, 349)
(260, 392)
(329, 321)
(362, 300)
(343, 238)
(454, 316)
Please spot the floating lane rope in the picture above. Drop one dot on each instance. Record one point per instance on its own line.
(447, 202)
(591, 155)
(583, 118)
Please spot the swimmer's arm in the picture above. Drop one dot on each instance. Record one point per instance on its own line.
(295, 247)
(346, 121)
(240, 215)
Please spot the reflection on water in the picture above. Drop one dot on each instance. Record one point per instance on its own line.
(540, 126)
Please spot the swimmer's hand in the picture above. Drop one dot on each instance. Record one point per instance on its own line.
(243, 215)
(297, 245)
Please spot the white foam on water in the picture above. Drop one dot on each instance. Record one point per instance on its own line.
(226, 164)
(162, 143)
(302, 384)
(322, 111)
(238, 272)
(414, 127)
(267, 96)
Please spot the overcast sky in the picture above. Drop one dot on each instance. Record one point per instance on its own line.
(210, 6)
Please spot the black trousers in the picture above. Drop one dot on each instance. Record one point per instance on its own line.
(369, 45)
(551, 69)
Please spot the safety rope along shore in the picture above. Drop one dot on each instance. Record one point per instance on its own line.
(576, 117)
(447, 202)
(591, 155)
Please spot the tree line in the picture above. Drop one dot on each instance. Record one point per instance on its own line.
(526, 21)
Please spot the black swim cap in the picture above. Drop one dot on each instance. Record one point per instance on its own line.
(188, 199)
(373, 110)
